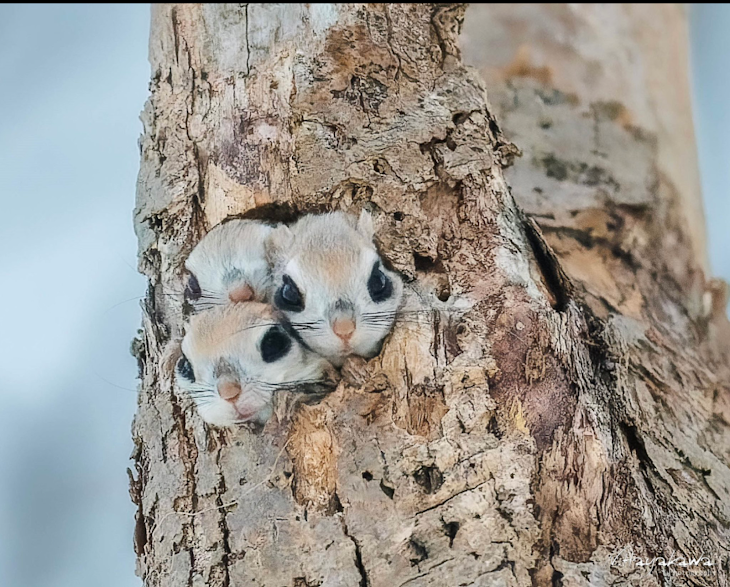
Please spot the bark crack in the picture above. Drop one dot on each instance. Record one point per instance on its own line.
(175, 33)
(554, 278)
(364, 579)
(448, 499)
(188, 455)
(222, 489)
(389, 27)
(427, 572)
(248, 45)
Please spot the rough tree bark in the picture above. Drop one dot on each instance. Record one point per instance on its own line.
(567, 396)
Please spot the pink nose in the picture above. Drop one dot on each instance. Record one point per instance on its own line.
(344, 327)
(229, 390)
(243, 293)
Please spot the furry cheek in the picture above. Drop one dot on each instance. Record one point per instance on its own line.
(369, 345)
(218, 413)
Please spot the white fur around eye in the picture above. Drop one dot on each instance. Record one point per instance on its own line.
(330, 259)
(224, 343)
(232, 254)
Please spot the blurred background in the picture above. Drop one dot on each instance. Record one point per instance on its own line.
(75, 79)
(709, 26)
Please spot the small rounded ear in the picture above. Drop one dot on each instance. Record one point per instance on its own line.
(365, 225)
(278, 242)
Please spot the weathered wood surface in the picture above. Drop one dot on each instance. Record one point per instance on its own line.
(570, 398)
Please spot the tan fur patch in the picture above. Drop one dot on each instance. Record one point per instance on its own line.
(213, 329)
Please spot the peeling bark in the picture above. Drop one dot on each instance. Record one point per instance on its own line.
(563, 391)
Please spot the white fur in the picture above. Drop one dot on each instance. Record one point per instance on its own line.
(227, 339)
(231, 255)
(330, 258)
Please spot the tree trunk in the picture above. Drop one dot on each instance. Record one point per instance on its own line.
(567, 396)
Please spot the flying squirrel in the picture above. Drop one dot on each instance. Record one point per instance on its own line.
(331, 297)
(229, 265)
(236, 357)
(331, 286)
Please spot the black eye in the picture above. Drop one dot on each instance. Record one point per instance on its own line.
(380, 287)
(275, 344)
(288, 297)
(185, 369)
(192, 289)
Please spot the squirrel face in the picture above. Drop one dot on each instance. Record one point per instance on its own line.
(235, 357)
(229, 265)
(330, 284)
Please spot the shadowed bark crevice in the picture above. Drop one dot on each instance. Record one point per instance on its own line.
(554, 277)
